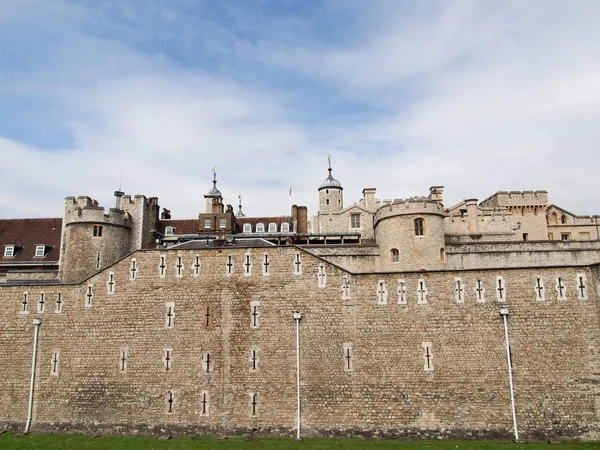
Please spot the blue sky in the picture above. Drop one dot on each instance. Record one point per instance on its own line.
(478, 96)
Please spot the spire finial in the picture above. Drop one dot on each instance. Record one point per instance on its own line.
(214, 171)
(240, 213)
(329, 161)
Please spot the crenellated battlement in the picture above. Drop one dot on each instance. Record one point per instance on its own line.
(86, 210)
(411, 206)
(516, 198)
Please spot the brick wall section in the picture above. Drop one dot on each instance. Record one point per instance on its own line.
(555, 346)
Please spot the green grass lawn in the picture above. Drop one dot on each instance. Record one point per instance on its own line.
(9, 441)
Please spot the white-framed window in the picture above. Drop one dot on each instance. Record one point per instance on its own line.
(272, 227)
(354, 220)
(40, 251)
(9, 251)
(169, 231)
(222, 223)
(260, 227)
(247, 228)
(285, 227)
(207, 223)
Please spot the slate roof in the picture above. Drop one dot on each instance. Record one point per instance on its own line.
(185, 226)
(266, 220)
(25, 235)
(210, 243)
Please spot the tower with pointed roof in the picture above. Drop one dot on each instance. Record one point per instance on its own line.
(331, 198)
(214, 199)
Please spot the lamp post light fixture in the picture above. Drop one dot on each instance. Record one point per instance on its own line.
(504, 313)
(297, 318)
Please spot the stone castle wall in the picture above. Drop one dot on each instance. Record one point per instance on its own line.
(421, 359)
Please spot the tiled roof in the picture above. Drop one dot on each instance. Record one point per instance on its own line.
(26, 234)
(237, 242)
(266, 220)
(186, 226)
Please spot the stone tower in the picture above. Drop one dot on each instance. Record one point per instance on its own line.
(331, 199)
(92, 239)
(410, 234)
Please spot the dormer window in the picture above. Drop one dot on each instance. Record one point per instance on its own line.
(9, 251)
(285, 227)
(247, 228)
(272, 228)
(260, 227)
(169, 231)
(40, 251)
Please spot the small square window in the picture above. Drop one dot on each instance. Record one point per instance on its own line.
(354, 220)
(9, 251)
(169, 231)
(40, 251)
(222, 223)
(565, 236)
(207, 223)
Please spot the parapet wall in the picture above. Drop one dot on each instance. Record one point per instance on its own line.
(516, 198)
(85, 210)
(408, 207)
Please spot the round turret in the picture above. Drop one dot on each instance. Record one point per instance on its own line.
(331, 197)
(92, 239)
(410, 235)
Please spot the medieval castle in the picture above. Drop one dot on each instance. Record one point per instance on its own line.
(389, 318)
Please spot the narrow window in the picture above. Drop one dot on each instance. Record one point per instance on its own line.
(170, 315)
(459, 290)
(297, 264)
(421, 292)
(540, 292)
(95, 232)
(339, 202)
(354, 220)
(346, 288)
(207, 224)
(170, 402)
(54, 362)
(554, 218)
(179, 267)
(98, 260)
(123, 353)
(419, 227)
(347, 356)
(581, 287)
(381, 293)
(427, 357)
(40, 250)
(254, 314)
(327, 201)
(442, 255)
(100, 231)
(24, 303)
(222, 223)
(265, 265)
(321, 276)
(59, 302)
(260, 227)
(247, 228)
(110, 284)
(395, 255)
(162, 266)
(285, 227)
(207, 363)
(550, 236)
(229, 265)
(207, 316)
(253, 360)
(196, 265)
(254, 404)
(89, 296)
(561, 288)
(41, 303)
(479, 291)
(500, 289)
(133, 270)
(327, 191)
(563, 219)
(272, 227)
(247, 265)
(525, 236)
(168, 359)
(401, 293)
(204, 402)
